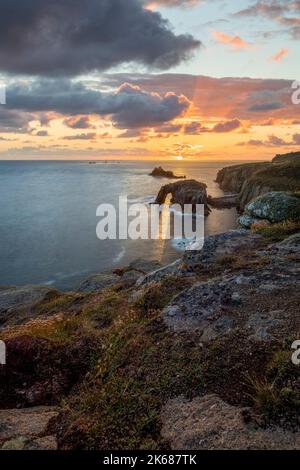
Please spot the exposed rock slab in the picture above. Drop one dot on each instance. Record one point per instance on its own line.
(27, 428)
(227, 243)
(216, 307)
(208, 423)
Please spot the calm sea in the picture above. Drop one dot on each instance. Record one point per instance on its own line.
(48, 217)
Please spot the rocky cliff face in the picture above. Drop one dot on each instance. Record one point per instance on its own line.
(256, 179)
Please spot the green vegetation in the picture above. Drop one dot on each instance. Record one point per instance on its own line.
(276, 396)
(280, 177)
(280, 231)
(157, 296)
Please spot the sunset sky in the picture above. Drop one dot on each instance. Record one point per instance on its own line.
(142, 79)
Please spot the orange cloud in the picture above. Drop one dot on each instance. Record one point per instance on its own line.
(280, 55)
(236, 42)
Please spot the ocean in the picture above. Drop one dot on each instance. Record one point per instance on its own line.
(48, 217)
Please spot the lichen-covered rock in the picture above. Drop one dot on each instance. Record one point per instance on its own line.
(228, 243)
(24, 429)
(209, 423)
(229, 301)
(247, 221)
(275, 206)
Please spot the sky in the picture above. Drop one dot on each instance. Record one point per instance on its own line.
(149, 79)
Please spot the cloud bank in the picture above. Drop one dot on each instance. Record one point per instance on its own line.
(72, 37)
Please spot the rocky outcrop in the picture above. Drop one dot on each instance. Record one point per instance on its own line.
(272, 207)
(159, 172)
(256, 179)
(209, 423)
(291, 157)
(27, 429)
(123, 277)
(229, 302)
(232, 178)
(98, 282)
(223, 202)
(184, 192)
(16, 302)
(222, 244)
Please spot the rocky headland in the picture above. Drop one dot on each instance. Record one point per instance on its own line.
(256, 179)
(193, 355)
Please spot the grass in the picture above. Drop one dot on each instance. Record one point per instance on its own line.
(157, 296)
(143, 365)
(280, 231)
(280, 176)
(276, 395)
(245, 260)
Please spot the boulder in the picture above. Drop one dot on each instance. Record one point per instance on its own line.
(275, 206)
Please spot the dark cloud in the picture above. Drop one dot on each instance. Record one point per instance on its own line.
(194, 128)
(173, 3)
(14, 121)
(129, 106)
(273, 141)
(42, 134)
(262, 107)
(227, 126)
(71, 37)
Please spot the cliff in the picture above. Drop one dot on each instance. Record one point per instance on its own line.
(149, 365)
(255, 179)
